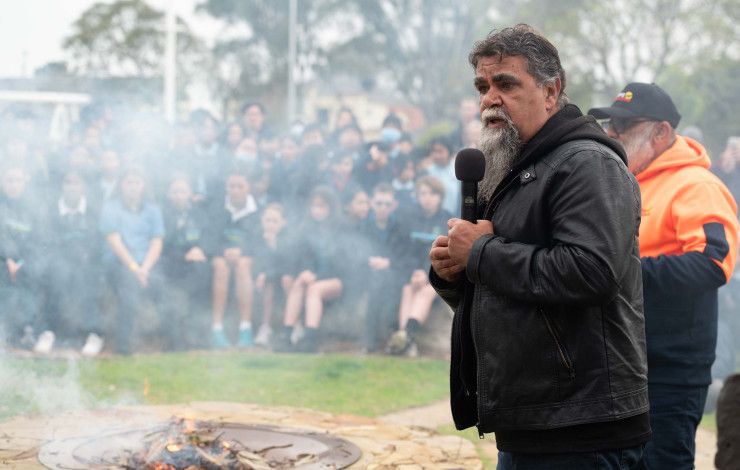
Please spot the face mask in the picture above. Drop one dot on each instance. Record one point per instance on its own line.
(390, 135)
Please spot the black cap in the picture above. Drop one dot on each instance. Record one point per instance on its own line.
(470, 165)
(640, 100)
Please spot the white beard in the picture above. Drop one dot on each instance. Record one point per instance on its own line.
(501, 147)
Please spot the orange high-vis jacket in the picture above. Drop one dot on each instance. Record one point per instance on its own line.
(688, 248)
(686, 208)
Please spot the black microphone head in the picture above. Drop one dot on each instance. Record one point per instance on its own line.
(470, 165)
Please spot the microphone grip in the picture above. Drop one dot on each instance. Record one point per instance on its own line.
(469, 201)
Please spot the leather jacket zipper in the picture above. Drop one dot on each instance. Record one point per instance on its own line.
(558, 345)
(474, 332)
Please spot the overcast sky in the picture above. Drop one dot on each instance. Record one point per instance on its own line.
(32, 31)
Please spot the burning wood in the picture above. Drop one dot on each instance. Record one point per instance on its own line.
(186, 444)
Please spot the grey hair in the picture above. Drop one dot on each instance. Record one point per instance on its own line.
(543, 60)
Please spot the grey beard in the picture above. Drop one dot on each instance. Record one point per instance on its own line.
(501, 148)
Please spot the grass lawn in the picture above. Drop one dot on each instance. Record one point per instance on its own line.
(368, 386)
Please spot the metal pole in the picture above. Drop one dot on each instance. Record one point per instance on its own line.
(292, 36)
(170, 63)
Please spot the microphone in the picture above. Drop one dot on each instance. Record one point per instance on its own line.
(470, 166)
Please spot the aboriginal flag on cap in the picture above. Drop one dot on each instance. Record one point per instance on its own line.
(641, 100)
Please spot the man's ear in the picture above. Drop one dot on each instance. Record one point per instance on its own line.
(663, 132)
(552, 93)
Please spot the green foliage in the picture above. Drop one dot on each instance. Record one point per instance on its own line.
(367, 386)
(126, 37)
(418, 46)
(707, 97)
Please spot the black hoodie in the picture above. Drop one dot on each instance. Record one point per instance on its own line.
(548, 346)
(566, 125)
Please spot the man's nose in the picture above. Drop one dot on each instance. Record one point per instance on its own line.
(490, 99)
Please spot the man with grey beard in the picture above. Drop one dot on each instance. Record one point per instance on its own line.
(688, 247)
(548, 340)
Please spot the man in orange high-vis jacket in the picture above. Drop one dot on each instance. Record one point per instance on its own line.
(688, 248)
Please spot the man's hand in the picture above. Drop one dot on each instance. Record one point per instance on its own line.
(462, 234)
(442, 264)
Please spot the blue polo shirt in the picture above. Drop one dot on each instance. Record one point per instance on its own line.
(137, 229)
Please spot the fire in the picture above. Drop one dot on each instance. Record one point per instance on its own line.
(162, 466)
(174, 447)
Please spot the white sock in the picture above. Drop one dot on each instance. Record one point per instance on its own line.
(218, 327)
(245, 325)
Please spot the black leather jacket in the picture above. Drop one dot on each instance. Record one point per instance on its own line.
(549, 326)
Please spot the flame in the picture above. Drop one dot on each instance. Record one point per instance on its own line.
(174, 447)
(226, 445)
(163, 466)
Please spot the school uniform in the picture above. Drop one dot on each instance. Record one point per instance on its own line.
(73, 271)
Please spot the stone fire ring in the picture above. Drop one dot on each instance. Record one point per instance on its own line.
(384, 445)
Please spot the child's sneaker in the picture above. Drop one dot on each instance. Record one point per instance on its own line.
(93, 345)
(398, 343)
(308, 342)
(263, 335)
(281, 342)
(219, 339)
(245, 338)
(45, 343)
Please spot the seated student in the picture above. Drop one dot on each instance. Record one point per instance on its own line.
(318, 264)
(385, 241)
(73, 272)
(417, 294)
(21, 257)
(272, 266)
(375, 167)
(340, 178)
(352, 225)
(442, 167)
(185, 266)
(110, 168)
(356, 210)
(403, 183)
(133, 230)
(233, 229)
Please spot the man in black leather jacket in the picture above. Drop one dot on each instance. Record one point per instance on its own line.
(548, 341)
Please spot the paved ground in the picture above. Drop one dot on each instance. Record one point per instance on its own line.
(438, 414)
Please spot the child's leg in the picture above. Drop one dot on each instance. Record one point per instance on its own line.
(244, 288)
(268, 300)
(404, 310)
(220, 288)
(294, 302)
(325, 289)
(422, 301)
